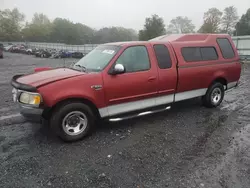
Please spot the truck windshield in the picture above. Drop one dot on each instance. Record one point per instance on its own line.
(97, 59)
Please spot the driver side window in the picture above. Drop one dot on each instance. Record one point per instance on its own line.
(135, 59)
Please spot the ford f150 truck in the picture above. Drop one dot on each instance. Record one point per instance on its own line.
(121, 80)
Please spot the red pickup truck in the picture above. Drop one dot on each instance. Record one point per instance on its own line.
(121, 80)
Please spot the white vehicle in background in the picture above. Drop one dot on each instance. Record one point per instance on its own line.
(6, 48)
(29, 51)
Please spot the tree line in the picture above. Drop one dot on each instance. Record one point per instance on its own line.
(214, 21)
(59, 30)
(41, 29)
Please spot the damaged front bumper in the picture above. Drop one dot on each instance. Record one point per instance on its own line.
(31, 112)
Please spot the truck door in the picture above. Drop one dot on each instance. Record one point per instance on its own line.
(167, 72)
(136, 88)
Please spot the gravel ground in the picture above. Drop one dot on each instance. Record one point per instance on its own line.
(188, 146)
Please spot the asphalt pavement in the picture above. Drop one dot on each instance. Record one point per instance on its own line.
(188, 146)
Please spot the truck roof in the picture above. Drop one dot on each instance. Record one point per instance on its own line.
(172, 38)
(188, 37)
(126, 43)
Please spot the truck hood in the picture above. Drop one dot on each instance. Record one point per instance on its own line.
(45, 77)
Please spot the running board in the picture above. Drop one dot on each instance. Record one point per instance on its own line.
(139, 114)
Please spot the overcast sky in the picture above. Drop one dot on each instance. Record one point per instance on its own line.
(125, 13)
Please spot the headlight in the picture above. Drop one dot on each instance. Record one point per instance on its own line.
(30, 98)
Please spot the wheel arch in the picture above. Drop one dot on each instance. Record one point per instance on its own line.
(221, 80)
(48, 111)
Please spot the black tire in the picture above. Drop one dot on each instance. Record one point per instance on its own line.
(1, 57)
(56, 121)
(214, 88)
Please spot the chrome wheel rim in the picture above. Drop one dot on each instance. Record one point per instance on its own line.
(216, 95)
(74, 123)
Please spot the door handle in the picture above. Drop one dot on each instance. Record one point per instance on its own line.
(152, 78)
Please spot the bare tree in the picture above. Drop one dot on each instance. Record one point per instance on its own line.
(180, 25)
(154, 26)
(243, 26)
(11, 24)
(229, 19)
(212, 20)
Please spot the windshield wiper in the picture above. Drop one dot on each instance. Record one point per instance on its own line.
(83, 69)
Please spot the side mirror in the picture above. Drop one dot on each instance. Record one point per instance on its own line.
(118, 69)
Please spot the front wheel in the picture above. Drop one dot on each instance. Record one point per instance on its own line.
(72, 121)
(214, 95)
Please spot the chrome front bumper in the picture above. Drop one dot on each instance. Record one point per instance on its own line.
(30, 112)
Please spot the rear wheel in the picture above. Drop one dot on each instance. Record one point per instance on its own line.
(72, 121)
(214, 95)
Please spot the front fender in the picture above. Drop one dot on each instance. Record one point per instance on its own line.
(72, 95)
(76, 87)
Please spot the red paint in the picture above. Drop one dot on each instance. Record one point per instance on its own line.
(74, 87)
(59, 84)
(38, 79)
(38, 69)
(205, 72)
(130, 86)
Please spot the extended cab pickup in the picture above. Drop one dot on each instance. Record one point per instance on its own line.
(121, 80)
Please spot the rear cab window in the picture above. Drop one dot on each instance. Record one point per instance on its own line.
(208, 53)
(191, 54)
(195, 54)
(226, 48)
